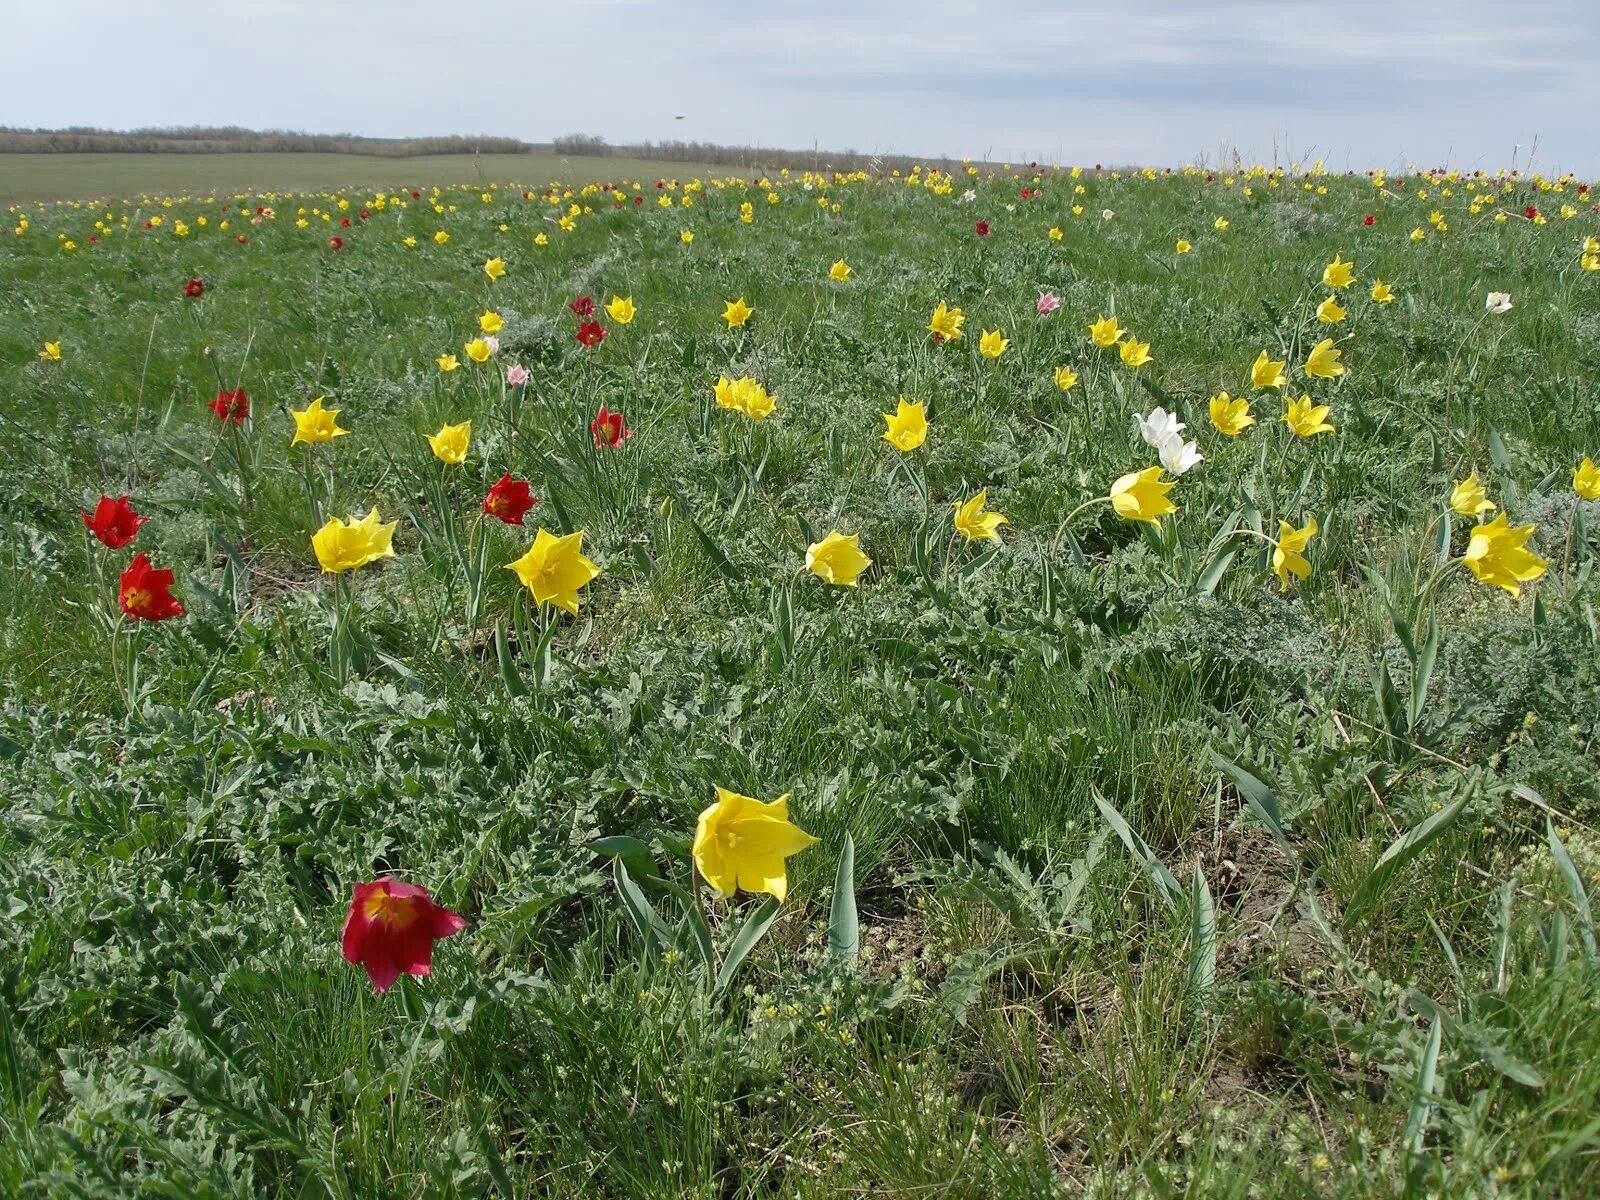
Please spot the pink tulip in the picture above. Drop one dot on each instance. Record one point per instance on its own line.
(516, 376)
(1048, 303)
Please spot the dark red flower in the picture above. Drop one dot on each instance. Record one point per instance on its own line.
(114, 522)
(982, 228)
(194, 289)
(260, 210)
(509, 499)
(609, 429)
(638, 200)
(1369, 219)
(416, 195)
(1530, 212)
(231, 406)
(344, 222)
(363, 214)
(583, 306)
(391, 928)
(241, 239)
(336, 242)
(145, 593)
(591, 333)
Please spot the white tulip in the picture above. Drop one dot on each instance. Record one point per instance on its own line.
(1158, 427)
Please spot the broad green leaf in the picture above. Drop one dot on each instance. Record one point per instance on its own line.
(844, 927)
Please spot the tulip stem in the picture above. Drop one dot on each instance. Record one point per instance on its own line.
(694, 892)
(1061, 532)
(1572, 525)
(116, 665)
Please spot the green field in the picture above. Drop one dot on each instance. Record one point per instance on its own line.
(1245, 850)
(26, 178)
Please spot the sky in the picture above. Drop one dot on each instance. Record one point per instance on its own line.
(1357, 83)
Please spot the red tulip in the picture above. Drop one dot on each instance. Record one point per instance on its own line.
(982, 228)
(591, 333)
(344, 222)
(391, 929)
(509, 499)
(609, 429)
(1530, 212)
(231, 406)
(145, 593)
(1369, 219)
(336, 242)
(583, 306)
(194, 289)
(114, 522)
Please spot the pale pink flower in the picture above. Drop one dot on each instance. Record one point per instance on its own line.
(516, 376)
(1048, 303)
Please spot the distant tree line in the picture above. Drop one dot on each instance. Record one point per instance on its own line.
(748, 157)
(228, 139)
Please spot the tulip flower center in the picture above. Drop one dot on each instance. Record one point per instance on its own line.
(397, 912)
(135, 599)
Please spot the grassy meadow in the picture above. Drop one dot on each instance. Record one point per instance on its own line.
(1245, 849)
(27, 178)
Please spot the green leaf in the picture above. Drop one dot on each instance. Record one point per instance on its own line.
(713, 551)
(645, 919)
(631, 849)
(1202, 941)
(509, 675)
(844, 927)
(1497, 450)
(1422, 1106)
(1422, 672)
(1137, 846)
(749, 936)
(1400, 852)
(1575, 889)
(696, 920)
(1213, 571)
(1262, 801)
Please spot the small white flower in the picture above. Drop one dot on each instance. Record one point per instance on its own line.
(1106, 214)
(1498, 302)
(1158, 427)
(968, 196)
(1178, 456)
(1011, 208)
(494, 344)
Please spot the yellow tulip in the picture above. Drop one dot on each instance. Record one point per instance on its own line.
(554, 568)
(450, 443)
(837, 559)
(740, 843)
(348, 545)
(314, 424)
(907, 426)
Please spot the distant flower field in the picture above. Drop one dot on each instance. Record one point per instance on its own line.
(1031, 681)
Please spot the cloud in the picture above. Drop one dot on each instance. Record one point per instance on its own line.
(1149, 81)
